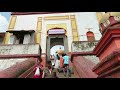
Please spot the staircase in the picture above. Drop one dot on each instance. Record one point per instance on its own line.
(61, 75)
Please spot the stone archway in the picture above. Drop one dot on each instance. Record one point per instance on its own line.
(56, 39)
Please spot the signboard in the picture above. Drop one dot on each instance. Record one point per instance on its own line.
(56, 31)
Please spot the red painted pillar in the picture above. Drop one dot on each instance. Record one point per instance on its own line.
(108, 51)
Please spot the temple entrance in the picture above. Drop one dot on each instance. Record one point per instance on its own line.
(56, 37)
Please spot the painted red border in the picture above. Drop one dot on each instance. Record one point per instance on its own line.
(27, 73)
(109, 72)
(18, 44)
(20, 56)
(29, 13)
(2, 34)
(84, 41)
(81, 54)
(112, 23)
(104, 66)
(105, 40)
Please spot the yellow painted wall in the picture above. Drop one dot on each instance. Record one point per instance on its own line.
(99, 15)
(11, 27)
(61, 25)
(74, 28)
(6, 38)
(12, 22)
(66, 17)
(38, 31)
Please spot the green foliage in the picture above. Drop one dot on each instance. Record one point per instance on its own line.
(91, 44)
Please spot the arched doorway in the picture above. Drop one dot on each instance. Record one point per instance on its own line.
(56, 36)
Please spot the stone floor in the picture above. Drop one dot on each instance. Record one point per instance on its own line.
(61, 75)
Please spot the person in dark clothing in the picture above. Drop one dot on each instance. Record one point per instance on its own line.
(66, 59)
(50, 72)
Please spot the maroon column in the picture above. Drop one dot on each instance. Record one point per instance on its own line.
(108, 51)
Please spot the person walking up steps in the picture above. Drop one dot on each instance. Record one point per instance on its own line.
(61, 63)
(50, 72)
(66, 59)
(57, 61)
(38, 71)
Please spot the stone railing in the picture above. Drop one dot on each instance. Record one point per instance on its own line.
(28, 49)
(17, 69)
(13, 55)
(83, 46)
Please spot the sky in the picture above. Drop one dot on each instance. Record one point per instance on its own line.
(4, 19)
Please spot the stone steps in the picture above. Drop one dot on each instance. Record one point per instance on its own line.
(61, 75)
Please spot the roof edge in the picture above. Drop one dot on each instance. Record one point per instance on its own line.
(28, 13)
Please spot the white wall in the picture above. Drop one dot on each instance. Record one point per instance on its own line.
(84, 20)
(26, 23)
(87, 20)
(19, 49)
(6, 63)
(30, 21)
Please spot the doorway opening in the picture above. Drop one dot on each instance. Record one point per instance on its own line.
(56, 37)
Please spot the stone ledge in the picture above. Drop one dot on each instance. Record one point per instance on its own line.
(111, 61)
(109, 73)
(29, 72)
(16, 70)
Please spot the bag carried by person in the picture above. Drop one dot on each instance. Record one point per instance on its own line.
(37, 73)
